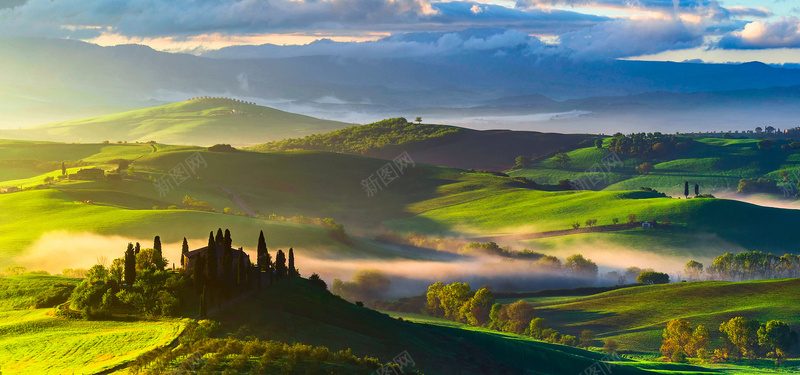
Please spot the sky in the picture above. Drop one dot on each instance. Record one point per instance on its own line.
(669, 30)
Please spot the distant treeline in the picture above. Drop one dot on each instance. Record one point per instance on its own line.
(389, 134)
(648, 145)
(747, 265)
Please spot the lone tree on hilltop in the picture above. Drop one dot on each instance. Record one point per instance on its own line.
(418, 120)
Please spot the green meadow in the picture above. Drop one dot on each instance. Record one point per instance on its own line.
(34, 341)
(715, 164)
(636, 316)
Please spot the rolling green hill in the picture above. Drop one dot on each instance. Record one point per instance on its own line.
(715, 164)
(434, 144)
(198, 122)
(296, 310)
(432, 200)
(636, 316)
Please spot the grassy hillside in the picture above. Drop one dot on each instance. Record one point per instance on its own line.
(35, 342)
(198, 122)
(295, 310)
(715, 164)
(433, 144)
(636, 316)
(432, 200)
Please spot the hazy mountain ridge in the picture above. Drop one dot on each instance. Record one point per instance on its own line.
(70, 74)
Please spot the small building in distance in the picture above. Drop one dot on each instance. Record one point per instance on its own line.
(191, 257)
(88, 174)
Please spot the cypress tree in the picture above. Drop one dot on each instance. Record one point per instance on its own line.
(270, 274)
(211, 261)
(262, 256)
(686, 189)
(219, 239)
(241, 270)
(280, 265)
(292, 272)
(136, 249)
(159, 258)
(199, 269)
(696, 189)
(226, 281)
(130, 265)
(227, 241)
(184, 251)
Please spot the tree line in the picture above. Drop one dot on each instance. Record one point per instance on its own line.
(741, 338)
(746, 265)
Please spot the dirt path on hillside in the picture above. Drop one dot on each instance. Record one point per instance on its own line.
(235, 199)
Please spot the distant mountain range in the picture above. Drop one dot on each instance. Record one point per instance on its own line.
(55, 80)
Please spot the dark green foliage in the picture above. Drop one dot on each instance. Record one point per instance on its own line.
(55, 295)
(696, 189)
(211, 261)
(199, 278)
(221, 148)
(762, 185)
(292, 272)
(705, 196)
(599, 143)
(686, 189)
(280, 265)
(220, 239)
(752, 265)
(390, 135)
(652, 277)
(521, 161)
(158, 254)
(649, 145)
(184, 251)
(130, 265)
(241, 269)
(316, 280)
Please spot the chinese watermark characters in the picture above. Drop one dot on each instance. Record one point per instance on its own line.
(189, 364)
(602, 367)
(180, 173)
(386, 174)
(398, 365)
(596, 173)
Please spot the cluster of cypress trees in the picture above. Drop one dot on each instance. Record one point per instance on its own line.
(130, 260)
(234, 278)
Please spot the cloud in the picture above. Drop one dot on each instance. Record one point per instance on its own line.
(625, 38)
(86, 19)
(783, 33)
(407, 45)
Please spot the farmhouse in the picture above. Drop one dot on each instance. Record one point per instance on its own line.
(191, 257)
(88, 174)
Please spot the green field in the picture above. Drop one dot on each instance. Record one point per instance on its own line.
(426, 199)
(36, 342)
(636, 316)
(715, 164)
